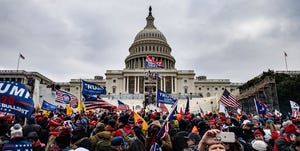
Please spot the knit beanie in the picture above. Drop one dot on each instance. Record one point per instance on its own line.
(259, 145)
(16, 131)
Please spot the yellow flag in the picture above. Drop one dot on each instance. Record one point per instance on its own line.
(144, 125)
(69, 110)
(79, 106)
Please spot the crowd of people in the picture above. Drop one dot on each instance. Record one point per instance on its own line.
(119, 131)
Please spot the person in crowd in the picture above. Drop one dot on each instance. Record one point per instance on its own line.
(259, 145)
(35, 141)
(62, 141)
(271, 132)
(210, 143)
(258, 135)
(179, 141)
(284, 142)
(137, 145)
(17, 141)
(117, 143)
(32, 126)
(111, 126)
(296, 144)
(192, 142)
(138, 130)
(4, 128)
(54, 130)
(165, 142)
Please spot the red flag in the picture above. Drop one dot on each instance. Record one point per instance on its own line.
(181, 112)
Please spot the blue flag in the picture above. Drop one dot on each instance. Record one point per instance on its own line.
(163, 97)
(89, 88)
(15, 99)
(261, 107)
(48, 106)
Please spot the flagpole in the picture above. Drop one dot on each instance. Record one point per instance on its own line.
(286, 66)
(18, 63)
(255, 105)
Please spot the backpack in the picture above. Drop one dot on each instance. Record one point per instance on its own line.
(129, 138)
(102, 144)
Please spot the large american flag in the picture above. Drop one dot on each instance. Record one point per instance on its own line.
(229, 100)
(99, 103)
(66, 98)
(122, 106)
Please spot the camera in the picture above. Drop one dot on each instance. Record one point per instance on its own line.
(226, 137)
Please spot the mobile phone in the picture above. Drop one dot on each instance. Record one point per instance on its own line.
(226, 137)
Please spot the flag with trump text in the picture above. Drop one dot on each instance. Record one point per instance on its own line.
(89, 88)
(48, 106)
(66, 98)
(163, 97)
(15, 98)
(229, 100)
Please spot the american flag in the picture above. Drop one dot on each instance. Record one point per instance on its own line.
(66, 98)
(165, 127)
(99, 103)
(122, 106)
(155, 147)
(163, 108)
(229, 100)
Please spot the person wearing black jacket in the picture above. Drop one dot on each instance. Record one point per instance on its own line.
(138, 131)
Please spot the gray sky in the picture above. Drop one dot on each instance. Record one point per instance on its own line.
(66, 39)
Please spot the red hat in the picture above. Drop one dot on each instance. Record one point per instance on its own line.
(139, 120)
(53, 123)
(291, 128)
(230, 113)
(212, 121)
(93, 123)
(257, 132)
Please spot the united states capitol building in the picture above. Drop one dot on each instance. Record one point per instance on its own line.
(134, 83)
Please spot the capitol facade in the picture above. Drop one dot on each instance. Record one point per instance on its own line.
(137, 83)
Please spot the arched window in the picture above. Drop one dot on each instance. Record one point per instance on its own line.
(185, 90)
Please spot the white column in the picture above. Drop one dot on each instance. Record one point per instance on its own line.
(127, 81)
(135, 85)
(138, 84)
(161, 83)
(175, 79)
(172, 90)
(124, 84)
(164, 83)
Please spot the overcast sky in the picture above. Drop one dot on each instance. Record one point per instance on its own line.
(68, 39)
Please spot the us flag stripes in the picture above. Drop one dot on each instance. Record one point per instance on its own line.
(229, 100)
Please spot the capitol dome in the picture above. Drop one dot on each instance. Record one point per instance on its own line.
(149, 41)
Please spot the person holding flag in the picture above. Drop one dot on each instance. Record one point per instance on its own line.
(158, 136)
